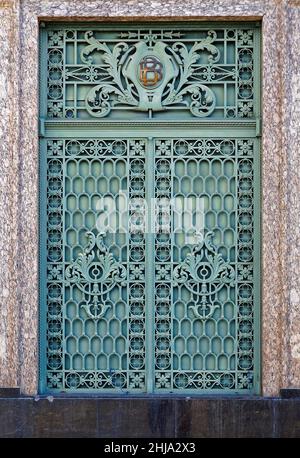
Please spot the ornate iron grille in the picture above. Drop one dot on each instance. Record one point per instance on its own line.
(204, 291)
(149, 116)
(98, 72)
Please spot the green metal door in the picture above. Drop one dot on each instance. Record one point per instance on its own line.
(149, 208)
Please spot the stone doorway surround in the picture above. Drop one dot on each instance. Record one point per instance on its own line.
(19, 29)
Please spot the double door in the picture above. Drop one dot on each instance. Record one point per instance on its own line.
(150, 281)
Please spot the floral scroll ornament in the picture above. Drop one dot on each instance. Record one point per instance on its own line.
(204, 273)
(95, 273)
(143, 78)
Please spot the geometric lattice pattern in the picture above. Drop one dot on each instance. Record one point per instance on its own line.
(92, 346)
(198, 347)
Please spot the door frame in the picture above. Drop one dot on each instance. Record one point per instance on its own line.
(151, 130)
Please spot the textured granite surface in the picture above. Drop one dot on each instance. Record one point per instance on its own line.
(9, 184)
(272, 202)
(280, 172)
(291, 190)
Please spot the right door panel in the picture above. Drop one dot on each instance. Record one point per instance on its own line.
(206, 247)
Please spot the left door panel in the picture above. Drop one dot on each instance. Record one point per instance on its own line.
(93, 279)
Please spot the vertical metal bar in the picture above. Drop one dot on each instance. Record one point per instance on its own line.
(43, 57)
(225, 83)
(257, 268)
(257, 211)
(236, 71)
(225, 99)
(257, 72)
(236, 232)
(42, 266)
(149, 267)
(225, 46)
(75, 48)
(42, 217)
(128, 314)
(75, 99)
(172, 264)
(64, 61)
(64, 238)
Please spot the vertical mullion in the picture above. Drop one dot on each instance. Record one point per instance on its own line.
(150, 267)
(257, 266)
(225, 83)
(225, 99)
(256, 73)
(43, 266)
(172, 308)
(257, 216)
(64, 244)
(64, 60)
(236, 72)
(42, 217)
(75, 99)
(236, 232)
(128, 262)
(43, 76)
(75, 47)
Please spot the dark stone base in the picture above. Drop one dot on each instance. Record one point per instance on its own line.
(148, 417)
(288, 393)
(9, 392)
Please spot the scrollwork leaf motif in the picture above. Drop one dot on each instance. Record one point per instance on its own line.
(98, 103)
(185, 59)
(119, 88)
(188, 58)
(94, 45)
(203, 99)
(204, 272)
(95, 273)
(97, 100)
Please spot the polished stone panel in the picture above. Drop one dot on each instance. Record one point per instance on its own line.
(150, 417)
(288, 418)
(289, 393)
(198, 418)
(247, 418)
(136, 418)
